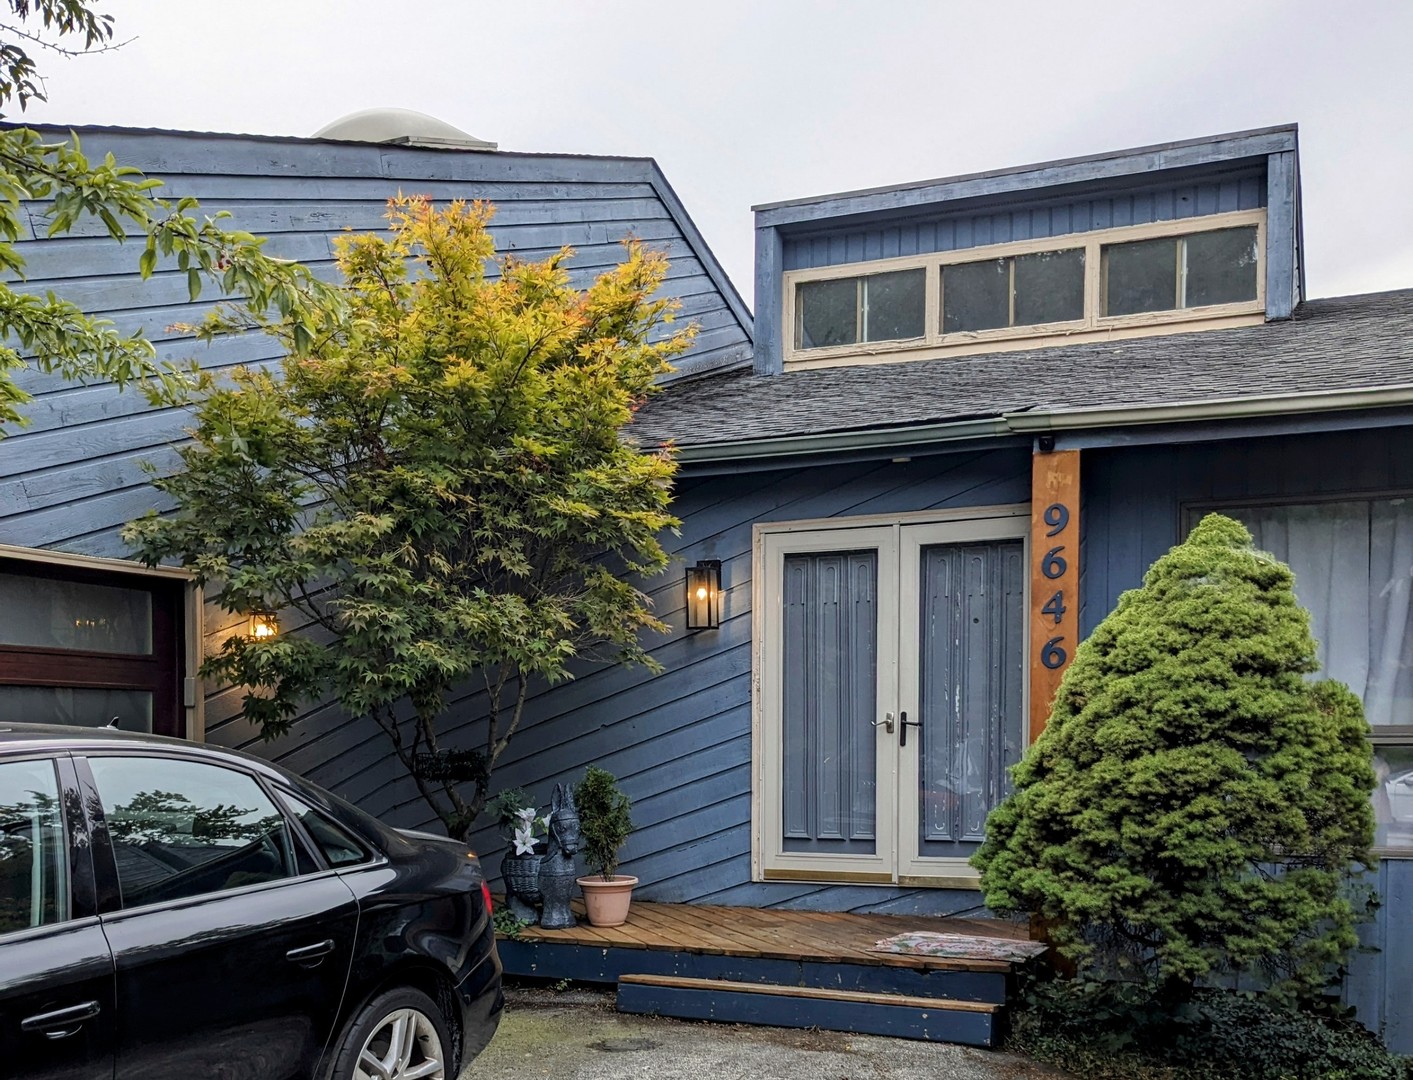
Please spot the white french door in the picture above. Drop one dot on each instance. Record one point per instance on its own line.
(890, 692)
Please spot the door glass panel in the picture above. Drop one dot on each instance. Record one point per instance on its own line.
(893, 305)
(830, 658)
(971, 669)
(183, 828)
(34, 884)
(48, 614)
(76, 707)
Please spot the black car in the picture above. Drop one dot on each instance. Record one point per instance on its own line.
(170, 910)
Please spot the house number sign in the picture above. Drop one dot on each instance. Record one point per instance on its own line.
(1054, 576)
(1054, 566)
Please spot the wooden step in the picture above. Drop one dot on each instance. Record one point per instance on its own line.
(971, 1023)
(596, 964)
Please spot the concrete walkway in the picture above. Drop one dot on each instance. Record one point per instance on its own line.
(577, 1035)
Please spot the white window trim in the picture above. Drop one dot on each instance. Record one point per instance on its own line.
(1093, 324)
(193, 609)
(889, 865)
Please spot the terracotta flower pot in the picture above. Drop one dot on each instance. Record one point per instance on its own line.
(606, 902)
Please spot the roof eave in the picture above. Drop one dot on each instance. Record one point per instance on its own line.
(1039, 421)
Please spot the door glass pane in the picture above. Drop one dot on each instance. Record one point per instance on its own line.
(34, 882)
(827, 313)
(1221, 267)
(1049, 287)
(971, 669)
(976, 296)
(1140, 276)
(830, 657)
(49, 614)
(893, 305)
(182, 828)
(76, 707)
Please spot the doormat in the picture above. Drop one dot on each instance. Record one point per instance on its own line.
(961, 946)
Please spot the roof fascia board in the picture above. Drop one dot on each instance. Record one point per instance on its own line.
(698, 244)
(1039, 422)
(1251, 144)
(1247, 428)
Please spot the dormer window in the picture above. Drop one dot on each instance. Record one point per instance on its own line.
(847, 311)
(1176, 272)
(1081, 286)
(1022, 290)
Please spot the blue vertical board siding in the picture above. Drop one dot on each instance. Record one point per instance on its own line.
(1137, 503)
(959, 229)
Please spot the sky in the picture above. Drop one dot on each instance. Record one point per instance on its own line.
(749, 102)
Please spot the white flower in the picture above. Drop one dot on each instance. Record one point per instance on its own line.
(526, 816)
(524, 842)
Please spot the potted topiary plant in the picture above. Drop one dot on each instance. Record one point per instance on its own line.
(604, 823)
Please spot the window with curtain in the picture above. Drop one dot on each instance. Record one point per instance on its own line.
(1353, 564)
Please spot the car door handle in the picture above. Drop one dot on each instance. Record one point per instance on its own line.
(311, 954)
(61, 1022)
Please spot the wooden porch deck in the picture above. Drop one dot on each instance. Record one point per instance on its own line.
(773, 934)
(785, 968)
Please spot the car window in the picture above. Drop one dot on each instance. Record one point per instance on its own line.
(183, 828)
(339, 848)
(34, 878)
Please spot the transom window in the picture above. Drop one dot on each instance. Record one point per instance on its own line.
(1170, 271)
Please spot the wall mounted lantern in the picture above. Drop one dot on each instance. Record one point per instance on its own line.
(704, 595)
(264, 625)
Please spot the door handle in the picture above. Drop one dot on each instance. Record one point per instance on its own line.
(60, 1022)
(311, 954)
(903, 719)
(886, 723)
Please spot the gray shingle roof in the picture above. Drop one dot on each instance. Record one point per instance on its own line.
(1345, 343)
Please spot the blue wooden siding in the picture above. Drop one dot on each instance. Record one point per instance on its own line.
(1243, 190)
(74, 476)
(1134, 498)
(1136, 501)
(681, 741)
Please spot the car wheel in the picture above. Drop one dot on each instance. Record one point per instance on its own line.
(399, 1035)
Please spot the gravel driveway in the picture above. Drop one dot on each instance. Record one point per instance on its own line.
(577, 1035)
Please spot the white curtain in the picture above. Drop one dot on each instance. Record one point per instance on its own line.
(1353, 564)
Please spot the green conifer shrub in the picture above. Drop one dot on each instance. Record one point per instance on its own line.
(1195, 805)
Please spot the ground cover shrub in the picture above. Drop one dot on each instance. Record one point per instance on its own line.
(1114, 1031)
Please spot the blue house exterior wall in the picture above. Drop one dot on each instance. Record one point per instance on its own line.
(1136, 502)
(680, 742)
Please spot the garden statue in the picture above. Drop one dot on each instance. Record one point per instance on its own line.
(557, 872)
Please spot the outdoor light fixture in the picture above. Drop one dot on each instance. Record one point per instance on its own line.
(704, 595)
(264, 625)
